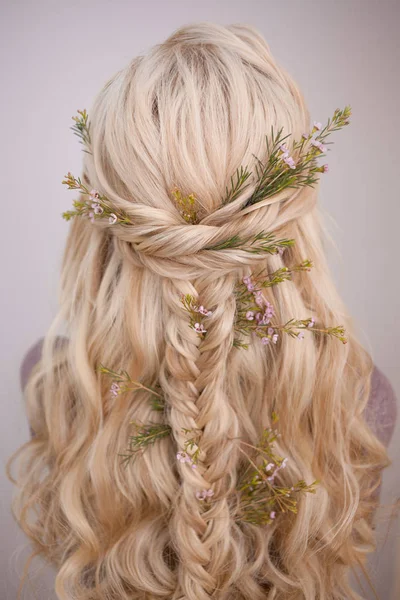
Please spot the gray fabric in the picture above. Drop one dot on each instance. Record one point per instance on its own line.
(380, 413)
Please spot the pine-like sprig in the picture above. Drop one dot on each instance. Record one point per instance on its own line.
(262, 242)
(123, 384)
(261, 498)
(81, 128)
(144, 436)
(278, 173)
(236, 188)
(255, 316)
(86, 208)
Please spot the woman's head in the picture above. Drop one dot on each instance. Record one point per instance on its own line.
(186, 116)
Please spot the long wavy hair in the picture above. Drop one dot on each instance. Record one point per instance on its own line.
(187, 114)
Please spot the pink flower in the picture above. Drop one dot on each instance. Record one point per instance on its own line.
(283, 148)
(199, 327)
(250, 287)
(326, 168)
(269, 466)
(114, 389)
(265, 340)
(183, 457)
(246, 280)
(249, 315)
(91, 216)
(311, 323)
(270, 330)
(272, 514)
(112, 219)
(300, 335)
(98, 210)
(318, 145)
(203, 494)
(290, 162)
(305, 136)
(204, 311)
(275, 338)
(317, 125)
(94, 194)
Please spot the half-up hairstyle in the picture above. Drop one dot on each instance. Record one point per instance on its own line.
(187, 115)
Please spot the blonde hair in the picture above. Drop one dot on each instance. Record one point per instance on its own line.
(187, 114)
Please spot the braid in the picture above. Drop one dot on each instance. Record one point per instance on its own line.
(192, 376)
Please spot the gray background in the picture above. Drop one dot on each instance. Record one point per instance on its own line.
(56, 56)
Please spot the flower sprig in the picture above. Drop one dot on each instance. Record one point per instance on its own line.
(288, 167)
(257, 244)
(81, 128)
(122, 383)
(196, 313)
(97, 206)
(261, 498)
(145, 436)
(255, 314)
(186, 205)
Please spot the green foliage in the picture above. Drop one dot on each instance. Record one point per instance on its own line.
(81, 128)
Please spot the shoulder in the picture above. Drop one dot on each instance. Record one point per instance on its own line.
(381, 410)
(31, 357)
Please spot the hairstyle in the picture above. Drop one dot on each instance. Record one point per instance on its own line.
(187, 114)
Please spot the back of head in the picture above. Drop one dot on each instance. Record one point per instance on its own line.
(159, 299)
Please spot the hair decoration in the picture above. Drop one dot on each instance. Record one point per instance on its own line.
(261, 490)
(292, 166)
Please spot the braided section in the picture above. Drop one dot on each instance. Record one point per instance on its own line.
(192, 375)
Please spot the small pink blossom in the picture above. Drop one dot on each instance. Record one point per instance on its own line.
(317, 125)
(272, 514)
(199, 327)
(318, 145)
(250, 287)
(203, 494)
(204, 311)
(283, 148)
(112, 219)
(91, 216)
(94, 194)
(183, 457)
(275, 338)
(311, 323)
(290, 162)
(326, 168)
(249, 315)
(98, 210)
(300, 335)
(265, 340)
(305, 136)
(114, 389)
(269, 466)
(246, 280)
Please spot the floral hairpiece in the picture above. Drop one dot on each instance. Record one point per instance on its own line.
(261, 493)
(286, 167)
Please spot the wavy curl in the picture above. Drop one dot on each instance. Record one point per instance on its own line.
(189, 113)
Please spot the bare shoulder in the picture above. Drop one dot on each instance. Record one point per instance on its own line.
(381, 410)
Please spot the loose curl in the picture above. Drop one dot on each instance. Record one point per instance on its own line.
(188, 114)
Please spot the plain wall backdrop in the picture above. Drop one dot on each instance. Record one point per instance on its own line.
(55, 57)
